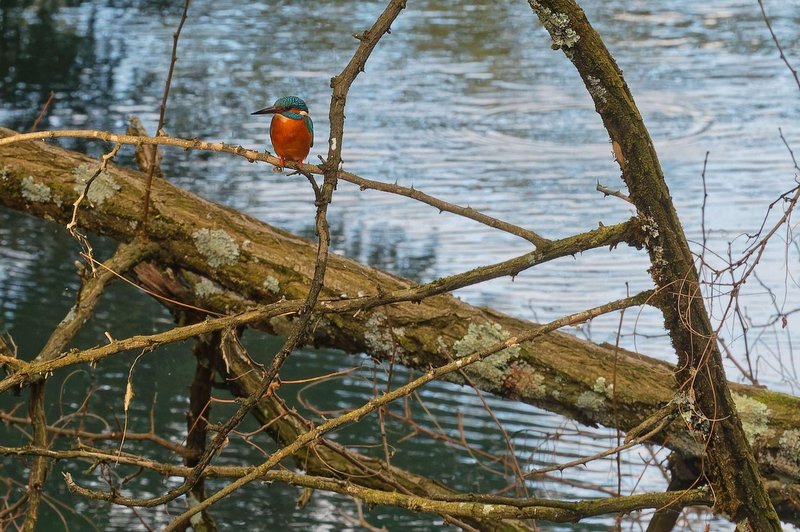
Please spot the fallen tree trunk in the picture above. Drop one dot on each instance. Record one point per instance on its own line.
(233, 262)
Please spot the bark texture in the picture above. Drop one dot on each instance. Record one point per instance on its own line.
(729, 462)
(232, 262)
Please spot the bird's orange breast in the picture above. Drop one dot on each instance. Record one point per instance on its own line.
(291, 138)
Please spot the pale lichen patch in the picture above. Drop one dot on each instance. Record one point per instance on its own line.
(754, 415)
(524, 381)
(744, 526)
(272, 284)
(596, 89)
(790, 443)
(594, 400)
(381, 339)
(102, 188)
(483, 336)
(217, 246)
(600, 387)
(590, 401)
(535, 385)
(36, 192)
(557, 25)
(492, 371)
(71, 315)
(649, 227)
(787, 459)
(206, 287)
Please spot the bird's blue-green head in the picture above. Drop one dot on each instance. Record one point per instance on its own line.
(291, 102)
(286, 105)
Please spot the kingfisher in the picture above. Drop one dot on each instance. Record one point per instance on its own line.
(291, 130)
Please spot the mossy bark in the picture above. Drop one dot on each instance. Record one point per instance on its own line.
(728, 459)
(558, 372)
(325, 457)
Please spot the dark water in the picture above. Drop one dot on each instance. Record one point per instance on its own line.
(468, 104)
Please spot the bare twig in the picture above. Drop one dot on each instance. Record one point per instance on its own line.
(388, 397)
(306, 170)
(667, 417)
(72, 226)
(88, 297)
(85, 435)
(610, 192)
(467, 506)
(43, 112)
(778, 44)
(467, 212)
(162, 111)
(703, 207)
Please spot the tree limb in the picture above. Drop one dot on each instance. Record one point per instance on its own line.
(553, 374)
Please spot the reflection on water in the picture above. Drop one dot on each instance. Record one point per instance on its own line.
(467, 104)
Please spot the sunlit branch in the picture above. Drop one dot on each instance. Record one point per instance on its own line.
(252, 156)
(469, 506)
(402, 391)
(569, 246)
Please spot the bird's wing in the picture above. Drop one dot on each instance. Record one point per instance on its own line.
(310, 126)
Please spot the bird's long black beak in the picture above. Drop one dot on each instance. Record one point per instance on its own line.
(267, 111)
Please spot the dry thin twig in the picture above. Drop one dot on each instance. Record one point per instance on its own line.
(88, 297)
(162, 112)
(778, 44)
(43, 112)
(468, 506)
(306, 169)
(388, 397)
